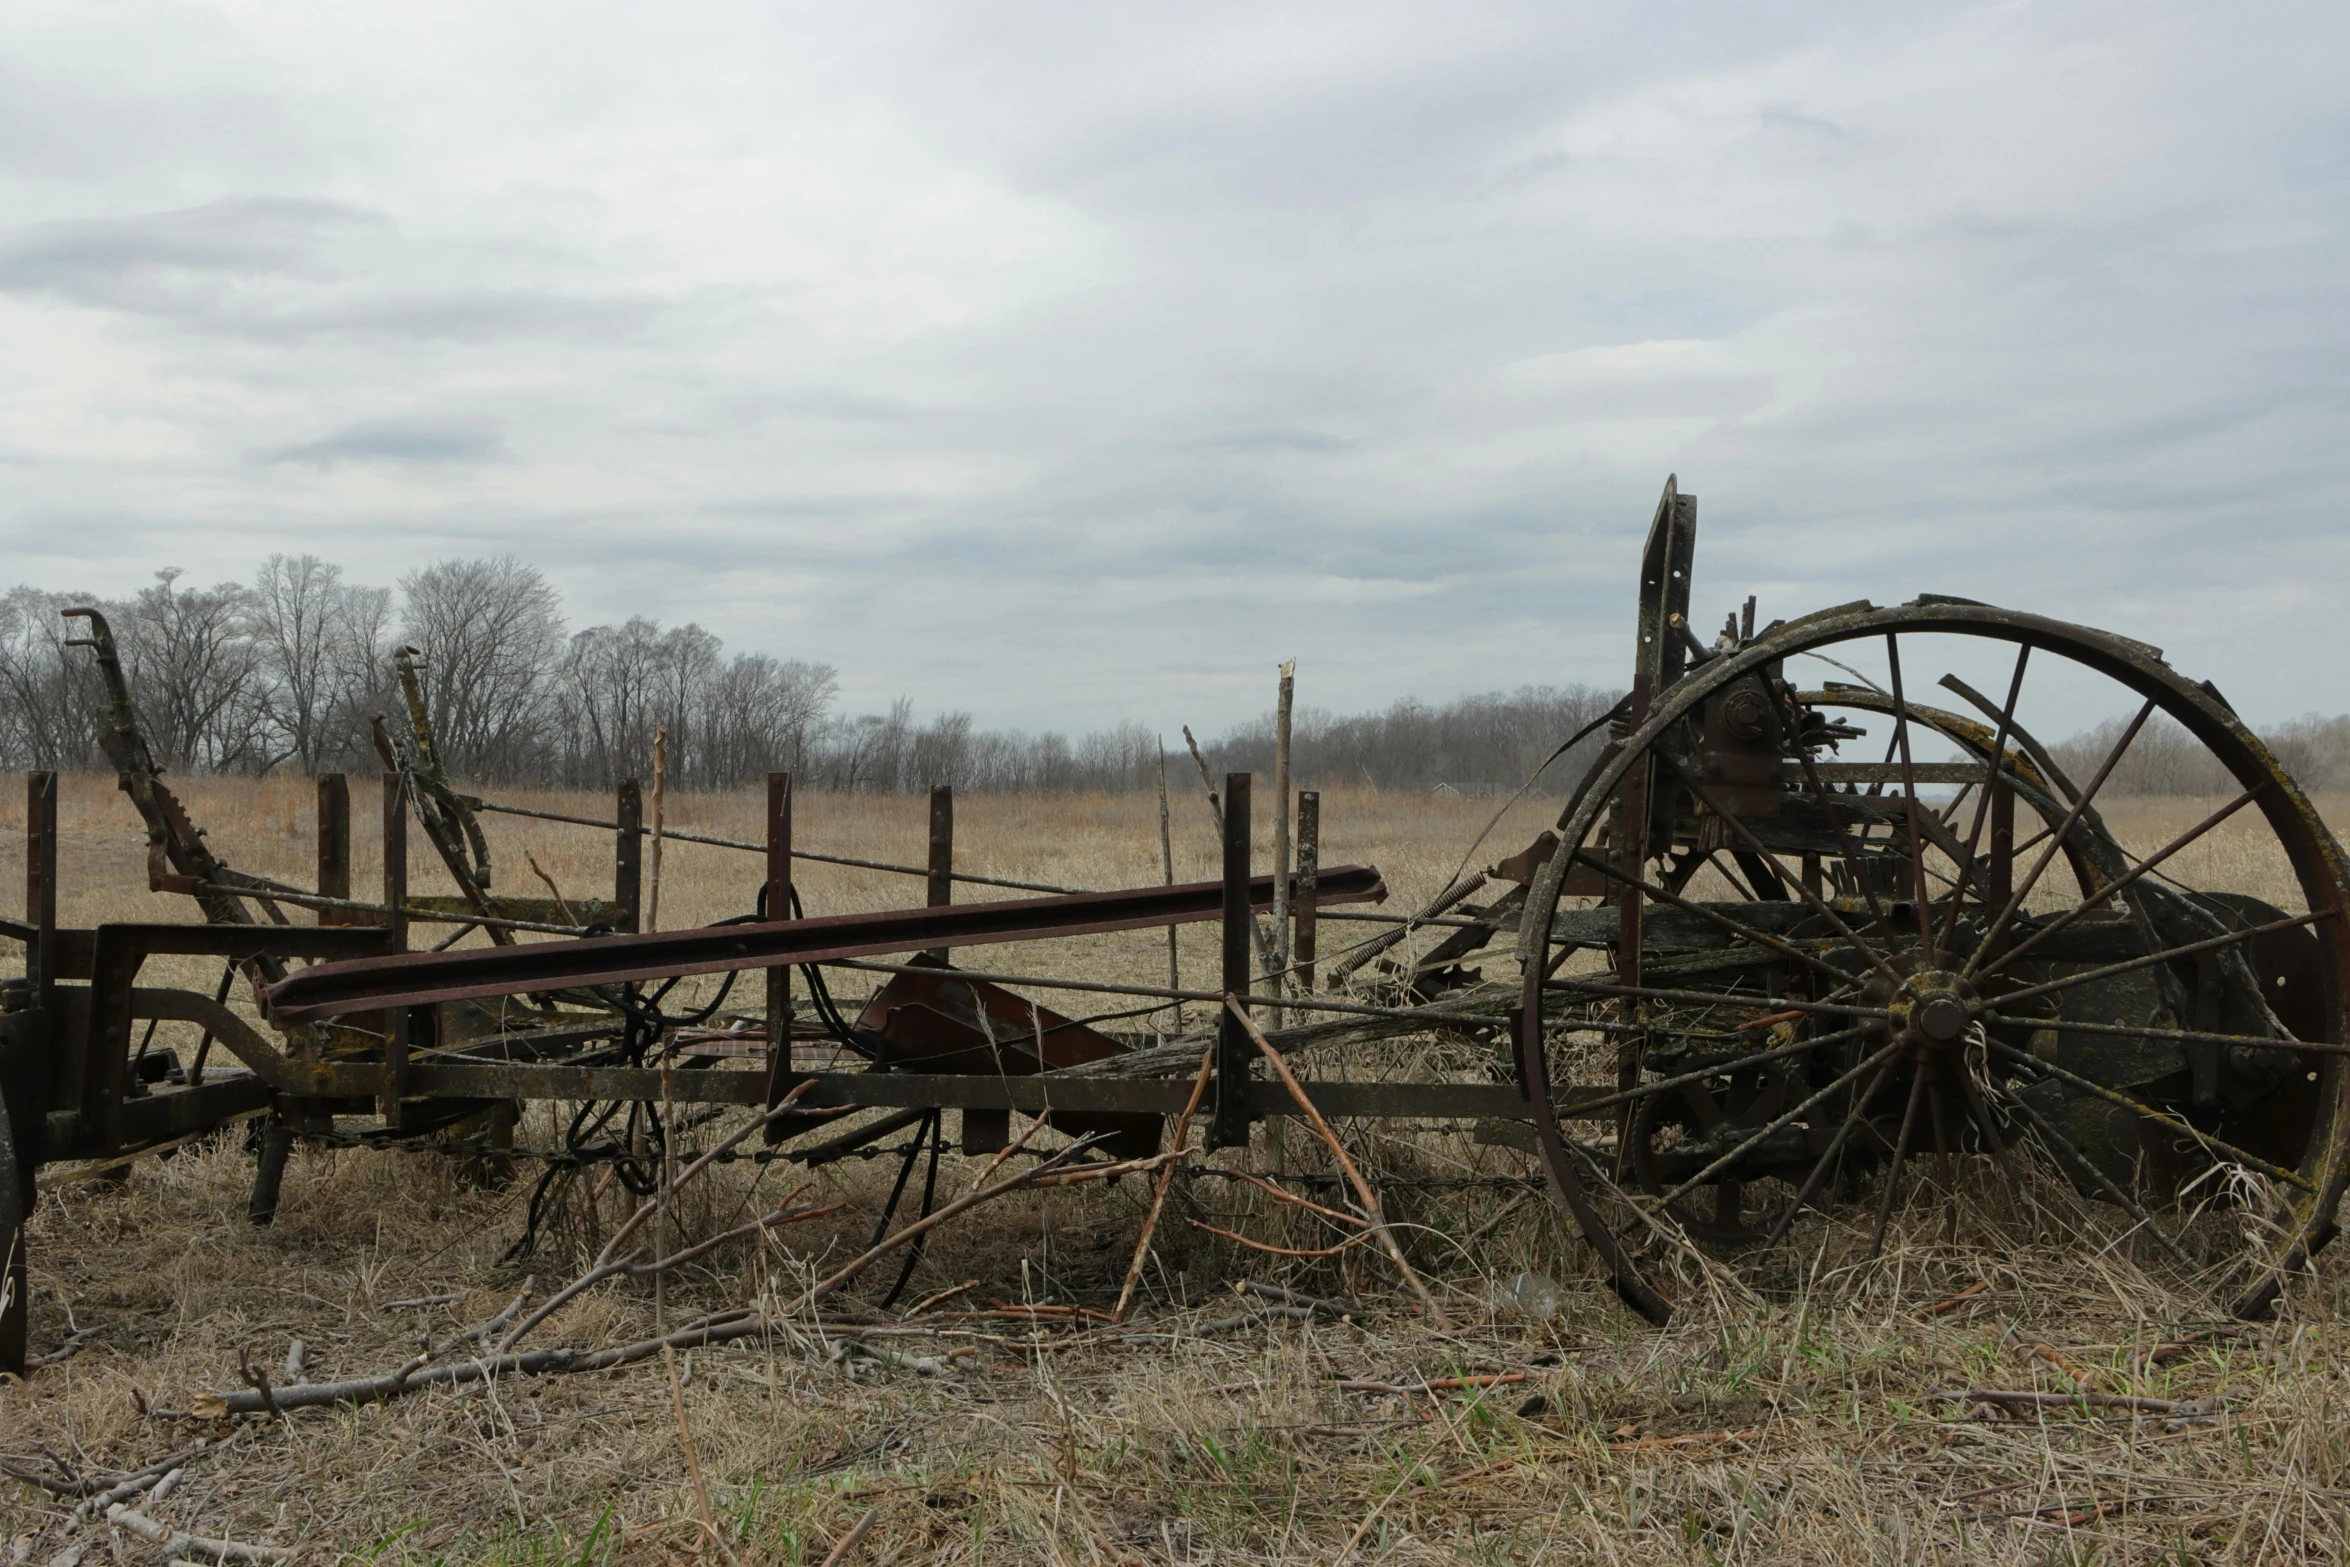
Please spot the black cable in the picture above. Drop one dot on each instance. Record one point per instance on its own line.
(898, 1190)
(929, 1191)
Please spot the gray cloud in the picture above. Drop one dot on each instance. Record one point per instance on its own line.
(421, 442)
(1071, 363)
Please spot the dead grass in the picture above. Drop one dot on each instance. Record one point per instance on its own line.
(1794, 1428)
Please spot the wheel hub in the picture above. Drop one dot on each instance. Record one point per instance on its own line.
(1940, 1008)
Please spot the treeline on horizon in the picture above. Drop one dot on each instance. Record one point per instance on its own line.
(287, 672)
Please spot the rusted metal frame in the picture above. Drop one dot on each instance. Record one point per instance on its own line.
(1785, 949)
(1434, 1016)
(396, 783)
(119, 952)
(1228, 1124)
(2023, 890)
(779, 906)
(1304, 940)
(448, 821)
(1811, 900)
(1435, 1101)
(2106, 892)
(2209, 944)
(1909, 800)
(1632, 828)
(1820, 793)
(2137, 1106)
(628, 848)
(1416, 922)
(939, 886)
(1992, 785)
(965, 877)
(334, 846)
(415, 978)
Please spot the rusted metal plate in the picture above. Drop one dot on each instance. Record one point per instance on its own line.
(412, 978)
(943, 1021)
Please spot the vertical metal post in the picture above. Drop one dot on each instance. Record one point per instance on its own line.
(942, 854)
(628, 850)
(334, 846)
(778, 978)
(1309, 875)
(396, 940)
(1234, 1052)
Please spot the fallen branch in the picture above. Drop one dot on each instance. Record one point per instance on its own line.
(1052, 1172)
(482, 1330)
(1363, 1193)
(147, 1528)
(1278, 1251)
(849, 1541)
(1150, 1220)
(1292, 1197)
(2177, 1409)
(609, 1263)
(73, 1345)
(1290, 1297)
(1955, 1301)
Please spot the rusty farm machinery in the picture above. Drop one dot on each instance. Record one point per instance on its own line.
(1770, 993)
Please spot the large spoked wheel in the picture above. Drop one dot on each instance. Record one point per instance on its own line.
(1813, 968)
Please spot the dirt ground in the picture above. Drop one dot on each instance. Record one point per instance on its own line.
(976, 1428)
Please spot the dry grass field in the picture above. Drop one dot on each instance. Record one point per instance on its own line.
(1753, 1430)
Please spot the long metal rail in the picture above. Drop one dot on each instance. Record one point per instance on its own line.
(412, 979)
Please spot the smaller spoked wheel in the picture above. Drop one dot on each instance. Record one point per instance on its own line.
(1815, 970)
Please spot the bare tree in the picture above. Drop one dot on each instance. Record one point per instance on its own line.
(197, 677)
(492, 634)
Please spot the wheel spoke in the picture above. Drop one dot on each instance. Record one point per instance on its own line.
(2209, 944)
(1819, 1171)
(2184, 1036)
(1991, 780)
(1909, 796)
(1980, 1112)
(2112, 1190)
(1909, 1123)
(1784, 948)
(2105, 893)
(2023, 890)
(1778, 1052)
(2115, 1096)
(1785, 1118)
(1706, 998)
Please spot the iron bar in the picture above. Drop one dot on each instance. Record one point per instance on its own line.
(414, 978)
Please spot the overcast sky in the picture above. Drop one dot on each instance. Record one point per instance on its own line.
(1072, 363)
